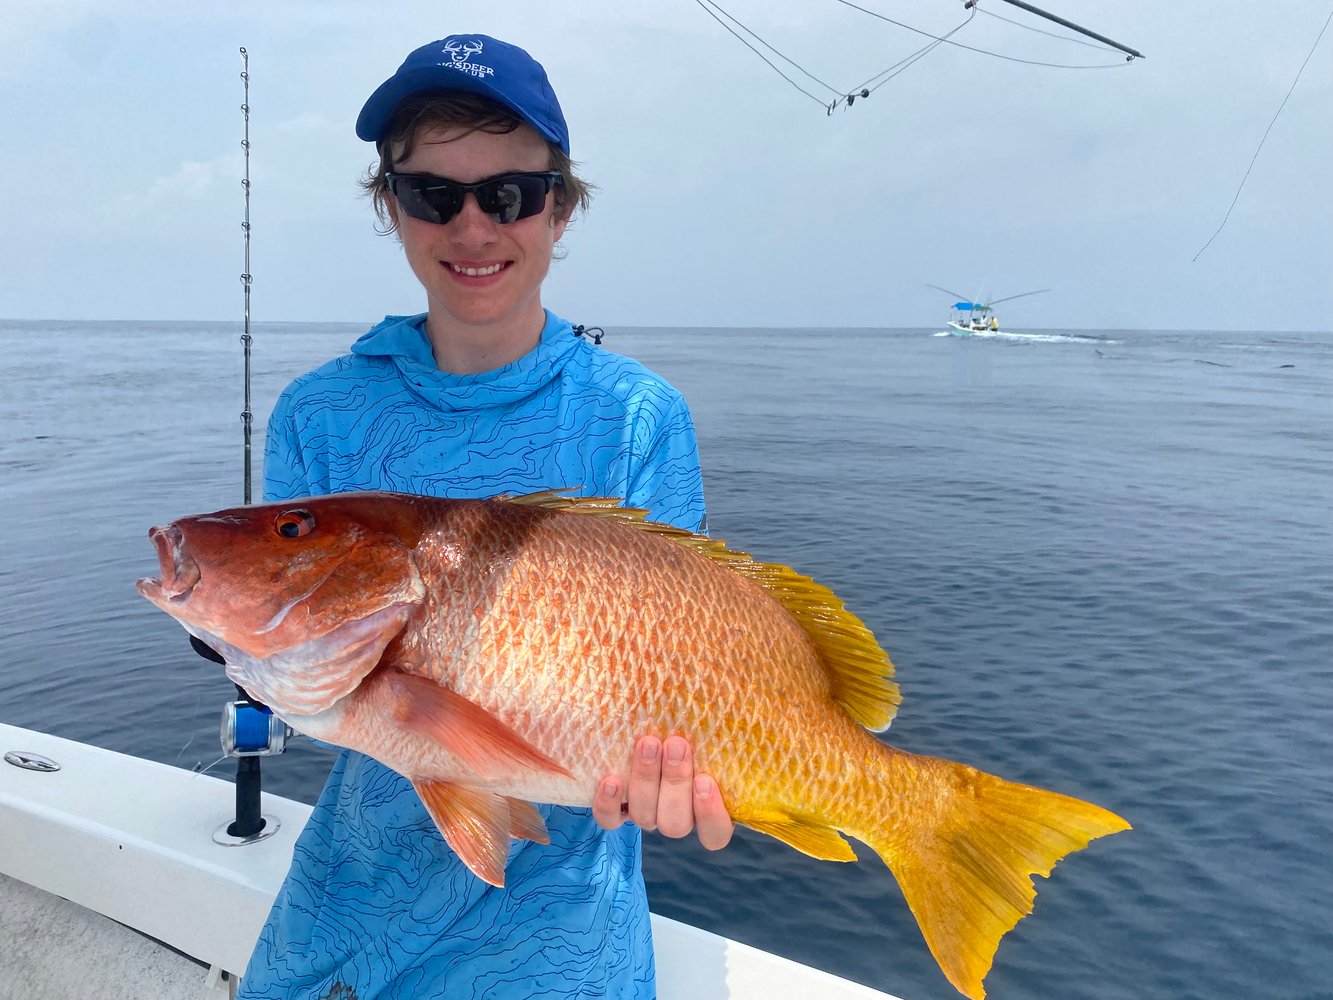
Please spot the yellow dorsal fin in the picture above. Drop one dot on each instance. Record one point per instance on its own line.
(859, 669)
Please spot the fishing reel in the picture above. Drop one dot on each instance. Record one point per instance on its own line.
(249, 729)
(252, 730)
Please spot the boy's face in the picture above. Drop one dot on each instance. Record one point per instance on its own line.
(502, 297)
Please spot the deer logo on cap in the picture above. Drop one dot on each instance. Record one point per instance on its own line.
(461, 52)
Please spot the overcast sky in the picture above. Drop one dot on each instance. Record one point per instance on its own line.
(726, 197)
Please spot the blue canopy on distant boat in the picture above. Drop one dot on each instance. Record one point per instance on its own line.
(970, 306)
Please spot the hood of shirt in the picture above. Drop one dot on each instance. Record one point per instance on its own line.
(403, 341)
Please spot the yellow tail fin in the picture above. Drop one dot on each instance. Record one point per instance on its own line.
(966, 870)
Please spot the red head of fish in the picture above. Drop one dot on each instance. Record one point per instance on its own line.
(314, 588)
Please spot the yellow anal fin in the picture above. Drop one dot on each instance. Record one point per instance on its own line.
(818, 841)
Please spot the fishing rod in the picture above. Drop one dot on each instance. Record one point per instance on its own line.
(247, 418)
(249, 730)
(1057, 19)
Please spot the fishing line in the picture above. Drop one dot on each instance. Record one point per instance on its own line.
(198, 700)
(205, 770)
(1265, 137)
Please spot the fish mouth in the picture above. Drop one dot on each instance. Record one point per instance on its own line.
(180, 572)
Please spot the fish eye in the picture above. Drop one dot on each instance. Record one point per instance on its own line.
(295, 523)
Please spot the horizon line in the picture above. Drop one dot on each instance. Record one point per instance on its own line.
(644, 326)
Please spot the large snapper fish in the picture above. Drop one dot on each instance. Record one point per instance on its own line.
(509, 651)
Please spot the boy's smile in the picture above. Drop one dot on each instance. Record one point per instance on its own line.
(482, 278)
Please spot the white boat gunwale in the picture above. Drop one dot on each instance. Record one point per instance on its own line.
(131, 840)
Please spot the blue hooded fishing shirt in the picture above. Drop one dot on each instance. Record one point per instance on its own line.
(376, 904)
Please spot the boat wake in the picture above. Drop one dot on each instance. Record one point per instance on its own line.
(1034, 338)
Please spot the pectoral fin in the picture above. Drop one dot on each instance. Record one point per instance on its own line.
(478, 738)
(475, 824)
(312, 676)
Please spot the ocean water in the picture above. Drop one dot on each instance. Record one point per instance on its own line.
(1102, 563)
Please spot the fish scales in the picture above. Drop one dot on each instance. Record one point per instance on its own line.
(562, 623)
(506, 651)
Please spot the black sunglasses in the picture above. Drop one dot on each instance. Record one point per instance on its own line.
(506, 198)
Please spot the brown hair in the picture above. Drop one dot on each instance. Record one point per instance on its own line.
(460, 109)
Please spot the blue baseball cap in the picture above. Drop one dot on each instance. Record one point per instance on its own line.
(478, 64)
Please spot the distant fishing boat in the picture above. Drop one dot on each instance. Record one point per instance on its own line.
(971, 319)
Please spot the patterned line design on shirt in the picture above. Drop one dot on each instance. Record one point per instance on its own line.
(376, 904)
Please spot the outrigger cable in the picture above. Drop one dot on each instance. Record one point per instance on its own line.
(1132, 53)
(848, 97)
(971, 5)
(247, 418)
(764, 57)
(1035, 31)
(866, 90)
(841, 98)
